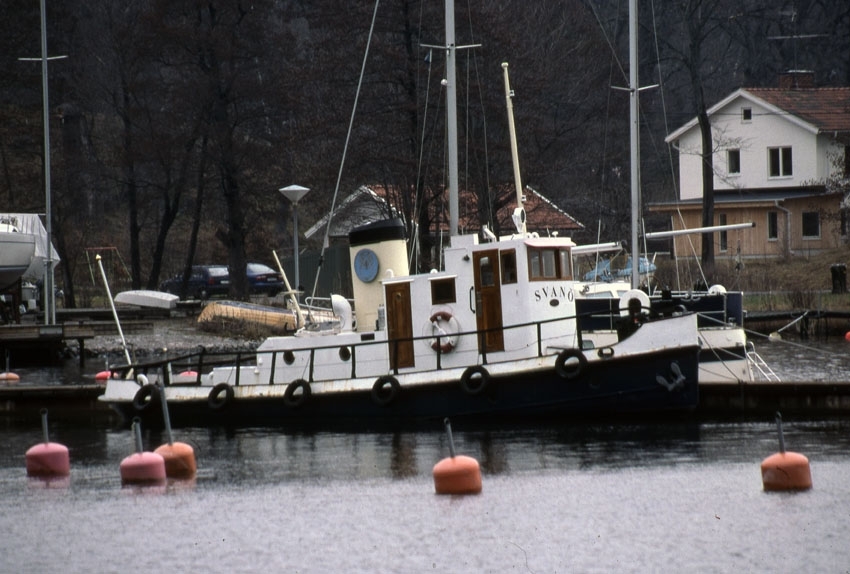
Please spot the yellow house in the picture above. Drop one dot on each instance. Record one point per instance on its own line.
(780, 160)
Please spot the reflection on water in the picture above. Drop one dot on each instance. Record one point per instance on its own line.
(559, 498)
(272, 455)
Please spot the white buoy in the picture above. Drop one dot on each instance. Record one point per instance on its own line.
(142, 468)
(179, 457)
(785, 470)
(48, 459)
(457, 474)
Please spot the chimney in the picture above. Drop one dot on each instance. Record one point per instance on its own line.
(797, 80)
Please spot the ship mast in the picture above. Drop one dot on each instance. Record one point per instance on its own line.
(451, 115)
(519, 211)
(634, 131)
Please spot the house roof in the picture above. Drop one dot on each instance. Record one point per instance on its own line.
(541, 215)
(366, 205)
(828, 109)
(819, 110)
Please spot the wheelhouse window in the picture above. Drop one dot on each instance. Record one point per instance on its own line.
(443, 291)
(779, 162)
(508, 260)
(746, 114)
(549, 263)
(811, 225)
(772, 226)
(733, 162)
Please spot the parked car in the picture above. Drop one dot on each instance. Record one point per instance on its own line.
(205, 281)
(264, 280)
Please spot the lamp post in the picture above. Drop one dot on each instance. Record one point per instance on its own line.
(294, 193)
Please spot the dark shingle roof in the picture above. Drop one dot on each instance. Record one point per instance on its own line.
(826, 108)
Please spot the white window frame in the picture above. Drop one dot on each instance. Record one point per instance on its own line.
(785, 171)
(729, 154)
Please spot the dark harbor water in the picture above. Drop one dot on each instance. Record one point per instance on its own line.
(559, 498)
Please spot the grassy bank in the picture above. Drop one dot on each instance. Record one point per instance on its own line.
(789, 283)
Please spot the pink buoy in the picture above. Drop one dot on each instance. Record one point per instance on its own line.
(48, 459)
(456, 474)
(103, 376)
(785, 470)
(847, 336)
(143, 468)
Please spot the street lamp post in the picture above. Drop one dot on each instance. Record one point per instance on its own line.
(294, 193)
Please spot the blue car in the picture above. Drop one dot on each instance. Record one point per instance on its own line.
(205, 281)
(264, 280)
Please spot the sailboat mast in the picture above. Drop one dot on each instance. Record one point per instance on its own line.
(451, 115)
(520, 214)
(635, 139)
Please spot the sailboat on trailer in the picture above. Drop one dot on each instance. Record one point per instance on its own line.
(493, 337)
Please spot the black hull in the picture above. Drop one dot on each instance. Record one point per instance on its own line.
(623, 386)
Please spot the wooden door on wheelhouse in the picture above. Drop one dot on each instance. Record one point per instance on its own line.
(488, 301)
(399, 325)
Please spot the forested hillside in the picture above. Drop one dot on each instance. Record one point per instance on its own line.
(175, 122)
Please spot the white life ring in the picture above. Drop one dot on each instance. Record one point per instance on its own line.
(443, 329)
(634, 294)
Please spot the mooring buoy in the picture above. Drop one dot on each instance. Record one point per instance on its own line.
(456, 474)
(48, 458)
(8, 376)
(785, 470)
(142, 468)
(179, 457)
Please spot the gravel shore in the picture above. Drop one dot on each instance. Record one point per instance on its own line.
(169, 336)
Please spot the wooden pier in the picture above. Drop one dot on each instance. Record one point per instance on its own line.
(763, 399)
(805, 322)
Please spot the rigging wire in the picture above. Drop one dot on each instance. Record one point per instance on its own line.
(490, 215)
(326, 240)
(417, 190)
(670, 152)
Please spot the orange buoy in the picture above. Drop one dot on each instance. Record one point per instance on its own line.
(142, 468)
(456, 474)
(785, 470)
(179, 457)
(8, 377)
(48, 459)
(179, 460)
